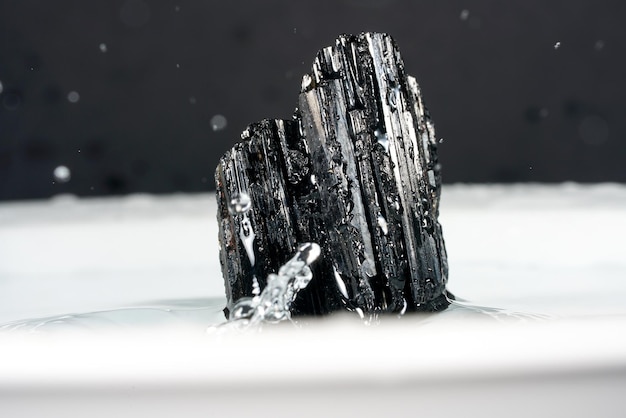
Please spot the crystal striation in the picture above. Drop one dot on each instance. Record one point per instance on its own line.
(355, 171)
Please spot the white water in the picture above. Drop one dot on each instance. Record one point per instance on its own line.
(106, 303)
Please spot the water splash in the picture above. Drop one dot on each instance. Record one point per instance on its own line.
(274, 303)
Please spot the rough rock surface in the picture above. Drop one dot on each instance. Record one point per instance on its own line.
(355, 171)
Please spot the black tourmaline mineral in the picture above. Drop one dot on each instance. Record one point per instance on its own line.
(355, 171)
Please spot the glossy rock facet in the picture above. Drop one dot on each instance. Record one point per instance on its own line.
(355, 171)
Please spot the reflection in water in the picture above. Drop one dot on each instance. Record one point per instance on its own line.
(191, 314)
(198, 314)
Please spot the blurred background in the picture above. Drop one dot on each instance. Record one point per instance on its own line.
(110, 97)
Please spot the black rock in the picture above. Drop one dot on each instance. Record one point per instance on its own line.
(355, 171)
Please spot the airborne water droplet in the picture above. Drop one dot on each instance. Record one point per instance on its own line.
(218, 122)
(73, 97)
(103, 47)
(557, 45)
(464, 14)
(62, 174)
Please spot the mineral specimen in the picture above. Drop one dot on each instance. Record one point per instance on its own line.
(354, 171)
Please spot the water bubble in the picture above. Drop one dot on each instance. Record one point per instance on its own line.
(557, 45)
(73, 97)
(599, 45)
(218, 122)
(103, 47)
(62, 174)
(464, 14)
(239, 203)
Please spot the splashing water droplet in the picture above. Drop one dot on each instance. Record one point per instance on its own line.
(218, 122)
(103, 48)
(239, 203)
(256, 288)
(274, 303)
(62, 174)
(73, 97)
(243, 308)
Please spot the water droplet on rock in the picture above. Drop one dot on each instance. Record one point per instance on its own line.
(309, 252)
(382, 223)
(239, 203)
(243, 308)
(307, 82)
(382, 139)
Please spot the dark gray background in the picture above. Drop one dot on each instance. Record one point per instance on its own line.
(509, 106)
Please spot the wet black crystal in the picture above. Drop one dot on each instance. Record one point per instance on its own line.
(355, 170)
